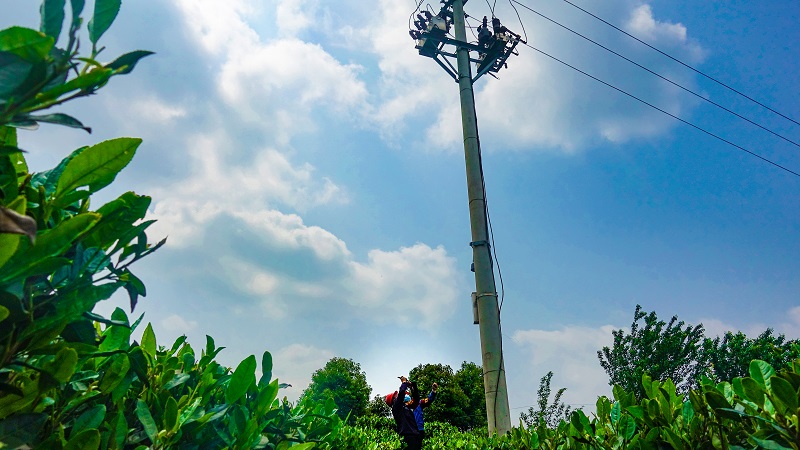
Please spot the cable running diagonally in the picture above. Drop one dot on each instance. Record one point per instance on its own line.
(684, 64)
(661, 76)
(667, 113)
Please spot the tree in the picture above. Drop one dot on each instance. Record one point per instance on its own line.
(661, 350)
(730, 356)
(342, 380)
(378, 407)
(550, 414)
(460, 400)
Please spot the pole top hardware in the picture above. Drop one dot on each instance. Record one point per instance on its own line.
(495, 44)
(478, 243)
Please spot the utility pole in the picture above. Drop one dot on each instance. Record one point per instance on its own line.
(493, 50)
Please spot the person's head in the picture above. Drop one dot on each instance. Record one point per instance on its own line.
(390, 398)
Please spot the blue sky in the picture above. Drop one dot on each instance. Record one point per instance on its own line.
(306, 166)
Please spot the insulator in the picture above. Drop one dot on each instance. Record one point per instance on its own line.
(414, 34)
(420, 25)
(427, 14)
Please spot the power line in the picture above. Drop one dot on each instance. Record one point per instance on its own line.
(659, 75)
(684, 64)
(667, 113)
(520, 20)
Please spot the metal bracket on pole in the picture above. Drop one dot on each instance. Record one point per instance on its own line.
(433, 41)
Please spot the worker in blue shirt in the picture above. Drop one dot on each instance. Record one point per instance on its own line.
(419, 415)
(401, 402)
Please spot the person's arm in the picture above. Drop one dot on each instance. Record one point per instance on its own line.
(432, 395)
(401, 393)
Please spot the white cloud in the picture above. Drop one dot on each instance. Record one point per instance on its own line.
(295, 363)
(643, 25)
(409, 286)
(571, 353)
(791, 327)
(175, 324)
(537, 103)
(274, 83)
(153, 109)
(294, 16)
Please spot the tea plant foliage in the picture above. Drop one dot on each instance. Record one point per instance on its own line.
(69, 378)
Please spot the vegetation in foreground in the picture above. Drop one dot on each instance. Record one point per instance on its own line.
(71, 379)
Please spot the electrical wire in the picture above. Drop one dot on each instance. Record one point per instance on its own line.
(684, 64)
(411, 16)
(520, 20)
(661, 76)
(668, 113)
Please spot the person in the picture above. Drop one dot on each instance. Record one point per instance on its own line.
(401, 402)
(419, 414)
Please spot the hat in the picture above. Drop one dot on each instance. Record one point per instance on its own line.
(390, 398)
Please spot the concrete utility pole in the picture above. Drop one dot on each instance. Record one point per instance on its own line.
(494, 375)
(431, 41)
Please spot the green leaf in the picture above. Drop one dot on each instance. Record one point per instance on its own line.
(626, 427)
(761, 371)
(97, 166)
(105, 11)
(769, 444)
(119, 431)
(118, 217)
(116, 337)
(30, 45)
(266, 369)
(266, 395)
(675, 440)
(49, 243)
(21, 430)
(115, 373)
(243, 377)
(13, 72)
(149, 341)
(87, 82)
(783, 395)
(68, 308)
(716, 400)
(139, 364)
(171, 414)
(85, 440)
(60, 119)
(143, 413)
(91, 418)
(62, 368)
(125, 63)
(52, 13)
(4, 313)
(687, 412)
(753, 391)
(616, 411)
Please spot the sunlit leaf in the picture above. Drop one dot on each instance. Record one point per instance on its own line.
(97, 166)
(149, 341)
(243, 377)
(30, 45)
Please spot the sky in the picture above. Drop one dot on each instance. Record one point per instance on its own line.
(307, 169)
